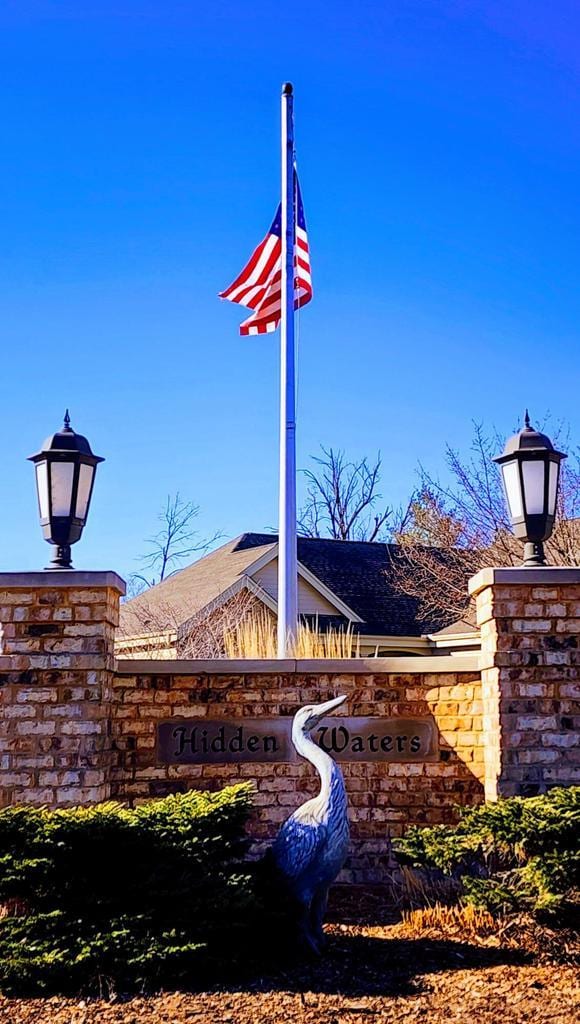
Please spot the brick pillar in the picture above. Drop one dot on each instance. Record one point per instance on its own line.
(530, 673)
(56, 673)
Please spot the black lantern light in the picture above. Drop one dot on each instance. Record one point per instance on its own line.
(65, 473)
(530, 468)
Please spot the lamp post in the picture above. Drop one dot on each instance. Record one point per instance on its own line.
(65, 474)
(530, 468)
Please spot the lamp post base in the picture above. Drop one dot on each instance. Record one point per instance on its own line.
(534, 554)
(62, 558)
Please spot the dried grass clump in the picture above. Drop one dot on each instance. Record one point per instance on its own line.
(467, 920)
(416, 889)
(255, 637)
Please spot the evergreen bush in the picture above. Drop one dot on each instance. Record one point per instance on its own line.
(108, 897)
(516, 854)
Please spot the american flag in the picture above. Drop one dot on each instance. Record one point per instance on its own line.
(258, 285)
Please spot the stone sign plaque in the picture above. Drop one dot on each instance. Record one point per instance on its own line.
(231, 740)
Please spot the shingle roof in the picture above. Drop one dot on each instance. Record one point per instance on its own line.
(181, 595)
(359, 573)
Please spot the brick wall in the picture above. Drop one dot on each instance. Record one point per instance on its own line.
(383, 797)
(530, 668)
(56, 671)
(77, 727)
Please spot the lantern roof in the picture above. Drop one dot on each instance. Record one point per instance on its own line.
(527, 440)
(66, 440)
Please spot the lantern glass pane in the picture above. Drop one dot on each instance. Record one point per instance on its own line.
(61, 485)
(553, 488)
(84, 490)
(511, 482)
(533, 472)
(42, 489)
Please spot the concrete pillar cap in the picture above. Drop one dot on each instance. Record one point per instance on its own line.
(53, 579)
(513, 576)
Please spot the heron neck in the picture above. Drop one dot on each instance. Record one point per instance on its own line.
(310, 750)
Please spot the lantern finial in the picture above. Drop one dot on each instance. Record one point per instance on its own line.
(527, 420)
(66, 420)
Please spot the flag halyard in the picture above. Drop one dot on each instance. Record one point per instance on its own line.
(258, 286)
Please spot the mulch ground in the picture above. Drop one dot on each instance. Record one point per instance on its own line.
(373, 971)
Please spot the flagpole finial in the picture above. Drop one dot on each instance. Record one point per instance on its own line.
(287, 89)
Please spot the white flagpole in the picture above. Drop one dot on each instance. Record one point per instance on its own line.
(287, 554)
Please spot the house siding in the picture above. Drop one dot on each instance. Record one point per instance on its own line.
(310, 602)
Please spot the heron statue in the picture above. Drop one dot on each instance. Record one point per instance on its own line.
(312, 844)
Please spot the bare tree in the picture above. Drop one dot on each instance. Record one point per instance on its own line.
(451, 530)
(343, 500)
(434, 559)
(171, 545)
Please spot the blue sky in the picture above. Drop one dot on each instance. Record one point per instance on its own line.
(438, 145)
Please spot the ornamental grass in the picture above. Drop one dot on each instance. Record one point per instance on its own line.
(255, 637)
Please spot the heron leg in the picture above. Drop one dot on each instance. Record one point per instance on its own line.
(317, 915)
(309, 936)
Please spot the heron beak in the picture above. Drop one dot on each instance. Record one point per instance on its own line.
(321, 710)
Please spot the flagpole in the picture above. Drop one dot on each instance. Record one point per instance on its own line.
(287, 553)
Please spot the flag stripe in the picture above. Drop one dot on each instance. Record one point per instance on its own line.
(258, 285)
(268, 254)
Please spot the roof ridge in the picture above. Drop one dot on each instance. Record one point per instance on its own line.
(320, 540)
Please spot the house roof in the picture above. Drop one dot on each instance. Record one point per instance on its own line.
(458, 628)
(359, 573)
(186, 592)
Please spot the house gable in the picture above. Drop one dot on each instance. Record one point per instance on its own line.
(310, 600)
(314, 597)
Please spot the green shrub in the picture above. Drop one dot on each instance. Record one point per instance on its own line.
(517, 854)
(108, 896)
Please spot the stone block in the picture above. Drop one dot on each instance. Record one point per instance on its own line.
(563, 740)
(83, 629)
(37, 695)
(556, 609)
(71, 795)
(85, 596)
(568, 626)
(556, 658)
(64, 710)
(533, 689)
(81, 613)
(62, 614)
(537, 723)
(19, 711)
(535, 610)
(34, 795)
(570, 690)
(545, 593)
(80, 728)
(35, 728)
(15, 779)
(531, 625)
